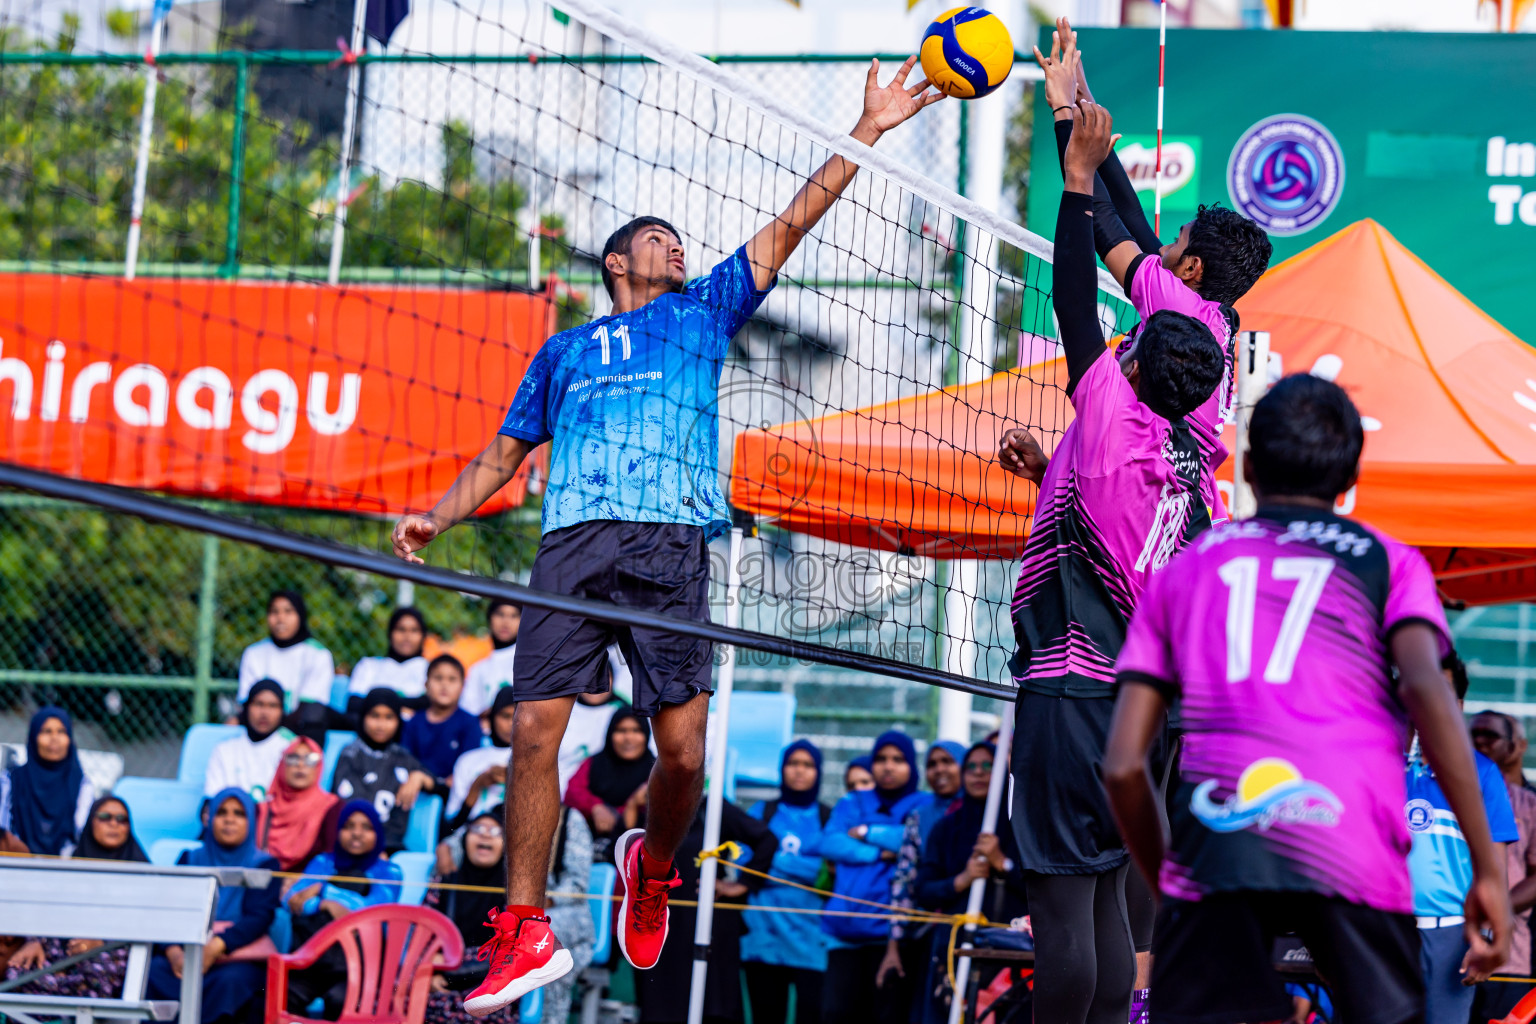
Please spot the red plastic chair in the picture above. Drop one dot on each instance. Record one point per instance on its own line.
(1524, 1011)
(391, 951)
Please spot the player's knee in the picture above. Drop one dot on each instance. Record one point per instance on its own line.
(685, 759)
(535, 737)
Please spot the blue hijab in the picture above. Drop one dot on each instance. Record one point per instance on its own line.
(902, 742)
(950, 747)
(44, 794)
(346, 864)
(800, 797)
(214, 855)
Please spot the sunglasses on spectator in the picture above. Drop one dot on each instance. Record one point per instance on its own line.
(978, 766)
(488, 829)
(309, 758)
(109, 818)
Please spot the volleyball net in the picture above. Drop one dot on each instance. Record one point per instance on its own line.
(335, 299)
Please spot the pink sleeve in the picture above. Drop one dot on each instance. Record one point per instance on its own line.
(1411, 594)
(1155, 288)
(1147, 651)
(1112, 424)
(577, 795)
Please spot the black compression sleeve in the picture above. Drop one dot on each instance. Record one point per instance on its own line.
(1108, 229)
(1074, 286)
(1118, 188)
(1063, 136)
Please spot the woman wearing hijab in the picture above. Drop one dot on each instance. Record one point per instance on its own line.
(956, 854)
(907, 950)
(235, 956)
(108, 835)
(249, 762)
(865, 856)
(663, 991)
(783, 950)
(376, 768)
(482, 864)
(290, 823)
(856, 777)
(610, 788)
(492, 673)
(358, 857)
(480, 775)
(50, 795)
(403, 669)
(289, 656)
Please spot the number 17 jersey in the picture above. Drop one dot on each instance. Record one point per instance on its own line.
(630, 403)
(1274, 633)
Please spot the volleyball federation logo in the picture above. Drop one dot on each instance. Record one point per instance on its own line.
(1286, 173)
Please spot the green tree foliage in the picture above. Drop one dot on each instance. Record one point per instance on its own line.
(68, 138)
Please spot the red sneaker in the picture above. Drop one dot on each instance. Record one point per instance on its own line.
(524, 955)
(643, 915)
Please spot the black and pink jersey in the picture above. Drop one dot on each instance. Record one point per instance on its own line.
(1121, 495)
(1273, 632)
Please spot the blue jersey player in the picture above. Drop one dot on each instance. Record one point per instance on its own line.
(627, 404)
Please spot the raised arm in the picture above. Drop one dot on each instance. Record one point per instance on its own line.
(486, 474)
(1443, 737)
(884, 108)
(1120, 228)
(1074, 278)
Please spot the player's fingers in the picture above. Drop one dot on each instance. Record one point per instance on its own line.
(1114, 139)
(1041, 58)
(902, 72)
(872, 80)
(917, 89)
(932, 98)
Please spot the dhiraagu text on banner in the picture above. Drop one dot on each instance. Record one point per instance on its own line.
(1433, 135)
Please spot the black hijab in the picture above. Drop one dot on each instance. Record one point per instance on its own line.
(612, 779)
(293, 598)
(271, 686)
(498, 603)
(44, 794)
(379, 696)
(90, 849)
(469, 910)
(394, 620)
(504, 699)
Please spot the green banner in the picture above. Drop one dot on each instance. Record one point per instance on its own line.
(1432, 135)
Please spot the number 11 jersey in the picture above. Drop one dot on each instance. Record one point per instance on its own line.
(630, 403)
(1274, 633)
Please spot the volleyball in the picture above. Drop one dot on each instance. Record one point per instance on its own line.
(967, 52)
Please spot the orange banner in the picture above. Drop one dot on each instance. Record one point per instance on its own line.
(357, 399)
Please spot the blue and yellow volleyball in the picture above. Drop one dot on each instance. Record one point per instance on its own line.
(967, 52)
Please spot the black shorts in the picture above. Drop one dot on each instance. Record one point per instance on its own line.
(1061, 815)
(660, 567)
(1213, 960)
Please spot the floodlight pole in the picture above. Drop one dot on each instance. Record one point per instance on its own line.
(703, 928)
(141, 161)
(348, 129)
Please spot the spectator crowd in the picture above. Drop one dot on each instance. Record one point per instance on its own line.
(907, 833)
(429, 726)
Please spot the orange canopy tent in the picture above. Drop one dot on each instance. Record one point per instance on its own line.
(1450, 464)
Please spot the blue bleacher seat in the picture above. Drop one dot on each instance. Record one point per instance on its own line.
(163, 852)
(339, 686)
(197, 746)
(417, 869)
(421, 830)
(762, 725)
(281, 932)
(161, 808)
(336, 740)
(603, 881)
(530, 1008)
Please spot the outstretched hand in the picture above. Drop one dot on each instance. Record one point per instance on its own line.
(886, 106)
(1061, 67)
(1092, 141)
